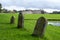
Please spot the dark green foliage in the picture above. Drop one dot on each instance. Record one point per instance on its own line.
(0, 7)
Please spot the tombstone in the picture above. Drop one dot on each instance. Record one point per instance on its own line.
(20, 20)
(12, 20)
(40, 27)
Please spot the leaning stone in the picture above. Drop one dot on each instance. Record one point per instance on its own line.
(40, 27)
(12, 20)
(20, 20)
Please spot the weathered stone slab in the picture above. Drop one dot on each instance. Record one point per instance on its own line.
(12, 20)
(20, 20)
(40, 27)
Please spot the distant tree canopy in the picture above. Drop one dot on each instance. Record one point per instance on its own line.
(56, 12)
(8, 11)
(15, 11)
(5, 11)
(42, 12)
(0, 7)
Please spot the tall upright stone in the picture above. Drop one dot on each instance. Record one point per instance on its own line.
(20, 20)
(40, 27)
(12, 20)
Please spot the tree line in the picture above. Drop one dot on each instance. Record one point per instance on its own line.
(3, 10)
(14, 11)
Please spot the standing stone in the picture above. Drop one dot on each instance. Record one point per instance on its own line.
(20, 20)
(40, 27)
(12, 20)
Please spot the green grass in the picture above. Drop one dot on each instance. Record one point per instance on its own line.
(10, 31)
(36, 16)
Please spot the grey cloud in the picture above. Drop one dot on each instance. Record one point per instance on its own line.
(33, 3)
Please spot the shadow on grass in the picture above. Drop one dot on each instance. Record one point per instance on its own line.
(29, 37)
(14, 28)
(45, 38)
(26, 36)
(7, 23)
(42, 38)
(4, 23)
(8, 28)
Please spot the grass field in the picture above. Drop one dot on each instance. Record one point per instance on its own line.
(10, 31)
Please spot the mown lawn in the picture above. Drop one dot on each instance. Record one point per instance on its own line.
(10, 32)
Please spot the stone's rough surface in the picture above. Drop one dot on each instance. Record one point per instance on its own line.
(12, 20)
(20, 20)
(40, 27)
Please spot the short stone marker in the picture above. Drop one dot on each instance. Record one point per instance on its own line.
(40, 27)
(12, 20)
(20, 20)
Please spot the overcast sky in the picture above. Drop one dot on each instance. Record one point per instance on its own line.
(31, 4)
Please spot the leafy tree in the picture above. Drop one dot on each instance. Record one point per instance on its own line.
(4, 10)
(56, 12)
(0, 7)
(15, 11)
(42, 11)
